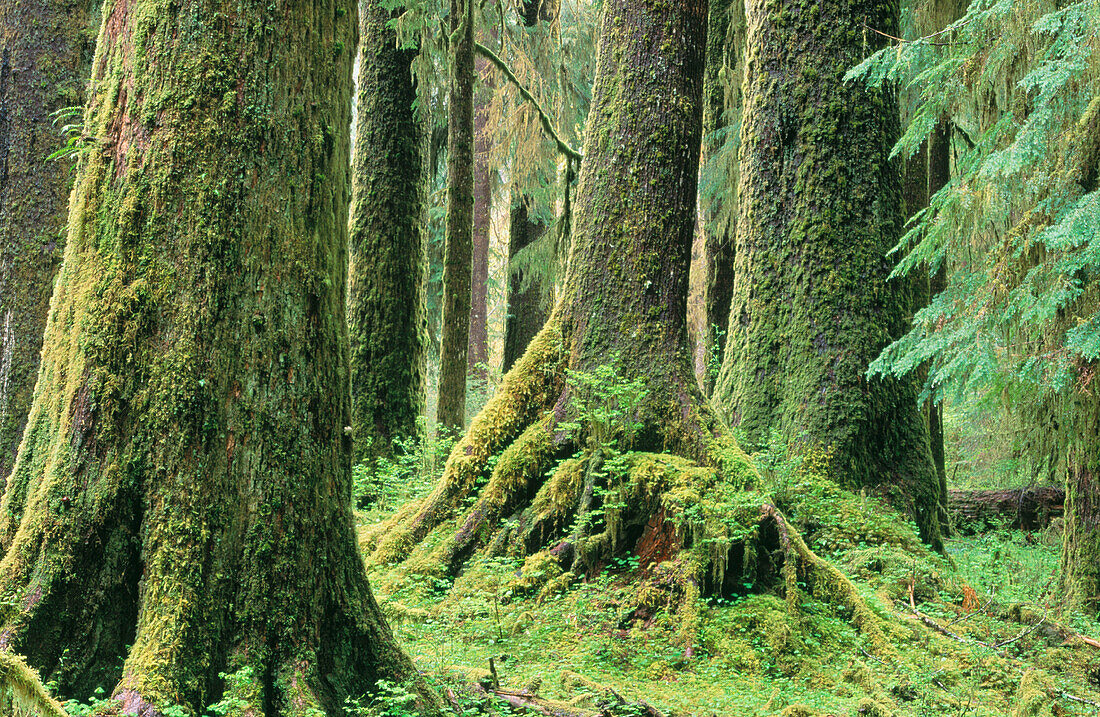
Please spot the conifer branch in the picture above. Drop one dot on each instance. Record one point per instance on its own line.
(543, 117)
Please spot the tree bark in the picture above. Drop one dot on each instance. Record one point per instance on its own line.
(526, 302)
(820, 206)
(725, 50)
(181, 502)
(44, 58)
(623, 305)
(1081, 535)
(453, 358)
(527, 310)
(1025, 508)
(478, 357)
(939, 174)
(386, 305)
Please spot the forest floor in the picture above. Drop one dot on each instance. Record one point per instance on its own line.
(977, 633)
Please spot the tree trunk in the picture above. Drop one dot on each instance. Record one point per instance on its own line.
(623, 304)
(526, 312)
(725, 49)
(1081, 536)
(526, 295)
(180, 505)
(453, 355)
(820, 206)
(44, 59)
(386, 314)
(939, 174)
(478, 358)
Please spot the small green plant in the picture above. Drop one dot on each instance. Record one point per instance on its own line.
(236, 684)
(97, 704)
(390, 700)
(76, 143)
(416, 464)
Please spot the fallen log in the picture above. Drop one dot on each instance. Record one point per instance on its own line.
(976, 511)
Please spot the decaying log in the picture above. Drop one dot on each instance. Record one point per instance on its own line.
(974, 511)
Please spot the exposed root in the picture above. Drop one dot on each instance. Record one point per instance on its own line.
(530, 389)
(21, 690)
(824, 579)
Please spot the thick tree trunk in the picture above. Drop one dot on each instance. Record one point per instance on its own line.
(939, 174)
(453, 356)
(526, 312)
(623, 305)
(44, 58)
(180, 505)
(386, 314)
(478, 358)
(725, 50)
(820, 206)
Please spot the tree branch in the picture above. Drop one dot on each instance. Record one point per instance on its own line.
(545, 118)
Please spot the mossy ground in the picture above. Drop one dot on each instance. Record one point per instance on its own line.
(756, 653)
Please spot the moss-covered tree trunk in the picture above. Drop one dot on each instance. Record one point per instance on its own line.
(386, 313)
(181, 503)
(45, 51)
(453, 354)
(526, 312)
(527, 308)
(721, 111)
(622, 308)
(1081, 534)
(820, 206)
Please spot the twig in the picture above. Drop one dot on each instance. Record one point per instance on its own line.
(920, 39)
(1025, 633)
(868, 654)
(543, 117)
(1082, 700)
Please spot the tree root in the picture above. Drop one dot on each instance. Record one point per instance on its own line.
(21, 688)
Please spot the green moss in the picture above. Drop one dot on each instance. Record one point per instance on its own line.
(813, 304)
(386, 313)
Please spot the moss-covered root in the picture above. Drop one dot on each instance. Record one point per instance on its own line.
(21, 689)
(824, 580)
(527, 391)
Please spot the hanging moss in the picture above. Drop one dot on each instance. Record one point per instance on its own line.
(180, 506)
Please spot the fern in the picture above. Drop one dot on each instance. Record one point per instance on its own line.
(1018, 225)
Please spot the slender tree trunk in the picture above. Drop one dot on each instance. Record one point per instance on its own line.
(725, 48)
(453, 358)
(44, 58)
(820, 206)
(939, 173)
(1081, 535)
(478, 357)
(386, 313)
(526, 312)
(181, 502)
